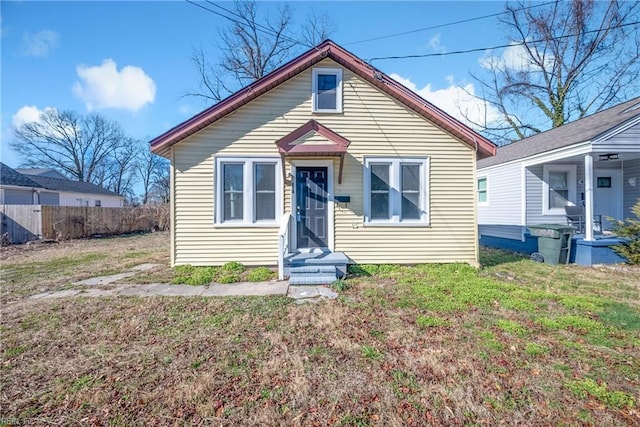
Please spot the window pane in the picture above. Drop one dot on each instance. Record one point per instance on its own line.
(232, 177)
(265, 187)
(410, 205)
(482, 184)
(410, 179)
(379, 177)
(327, 82)
(482, 196)
(558, 180)
(380, 205)
(380, 191)
(326, 97)
(265, 177)
(265, 206)
(558, 189)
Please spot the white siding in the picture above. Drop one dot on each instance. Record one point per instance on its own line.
(376, 125)
(627, 139)
(630, 186)
(81, 199)
(514, 232)
(504, 205)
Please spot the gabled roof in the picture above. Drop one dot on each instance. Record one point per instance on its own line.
(326, 49)
(335, 145)
(9, 176)
(57, 184)
(51, 173)
(583, 130)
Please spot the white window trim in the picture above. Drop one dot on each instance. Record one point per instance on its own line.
(571, 171)
(314, 91)
(486, 190)
(395, 198)
(248, 195)
(330, 200)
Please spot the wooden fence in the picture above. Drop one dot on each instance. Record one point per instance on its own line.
(22, 223)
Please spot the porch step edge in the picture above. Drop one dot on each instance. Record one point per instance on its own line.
(314, 279)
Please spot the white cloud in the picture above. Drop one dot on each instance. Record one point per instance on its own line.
(39, 44)
(514, 57)
(457, 101)
(435, 45)
(28, 114)
(103, 86)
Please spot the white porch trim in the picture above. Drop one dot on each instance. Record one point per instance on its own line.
(588, 197)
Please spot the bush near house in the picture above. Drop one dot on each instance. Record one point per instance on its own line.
(630, 229)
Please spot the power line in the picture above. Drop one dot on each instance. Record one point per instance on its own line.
(259, 27)
(480, 49)
(444, 25)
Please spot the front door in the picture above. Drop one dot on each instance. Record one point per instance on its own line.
(607, 195)
(311, 207)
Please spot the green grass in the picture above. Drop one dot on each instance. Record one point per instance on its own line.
(231, 272)
(514, 342)
(587, 387)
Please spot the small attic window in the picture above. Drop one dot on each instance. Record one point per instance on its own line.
(327, 90)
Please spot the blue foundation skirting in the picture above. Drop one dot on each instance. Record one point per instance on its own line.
(583, 252)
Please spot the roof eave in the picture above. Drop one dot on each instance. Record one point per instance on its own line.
(327, 49)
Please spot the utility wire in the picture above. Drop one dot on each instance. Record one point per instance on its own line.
(480, 49)
(258, 25)
(445, 25)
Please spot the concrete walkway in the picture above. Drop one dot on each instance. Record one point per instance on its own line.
(106, 286)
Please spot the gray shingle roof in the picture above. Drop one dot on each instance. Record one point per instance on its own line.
(58, 184)
(583, 130)
(51, 173)
(9, 176)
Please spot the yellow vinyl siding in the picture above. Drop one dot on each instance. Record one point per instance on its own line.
(376, 125)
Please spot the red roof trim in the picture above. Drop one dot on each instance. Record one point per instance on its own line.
(326, 49)
(286, 144)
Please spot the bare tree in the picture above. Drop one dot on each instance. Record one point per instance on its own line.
(150, 168)
(316, 29)
(568, 60)
(78, 146)
(121, 166)
(252, 47)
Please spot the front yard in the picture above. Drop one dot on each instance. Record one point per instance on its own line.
(513, 343)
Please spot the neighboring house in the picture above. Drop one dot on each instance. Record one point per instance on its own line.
(48, 187)
(325, 158)
(593, 162)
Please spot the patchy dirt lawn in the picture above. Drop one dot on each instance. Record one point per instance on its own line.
(515, 343)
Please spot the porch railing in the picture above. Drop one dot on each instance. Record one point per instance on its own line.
(283, 242)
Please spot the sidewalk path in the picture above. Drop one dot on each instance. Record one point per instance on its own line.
(105, 286)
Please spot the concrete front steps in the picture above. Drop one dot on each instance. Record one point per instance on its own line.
(315, 267)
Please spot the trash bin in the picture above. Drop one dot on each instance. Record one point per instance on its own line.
(554, 241)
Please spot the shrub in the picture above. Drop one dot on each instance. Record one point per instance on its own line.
(233, 267)
(260, 274)
(190, 275)
(629, 229)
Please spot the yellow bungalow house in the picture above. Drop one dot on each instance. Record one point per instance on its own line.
(323, 162)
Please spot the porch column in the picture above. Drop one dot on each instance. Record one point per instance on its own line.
(588, 196)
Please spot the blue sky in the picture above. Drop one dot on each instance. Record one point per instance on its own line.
(130, 61)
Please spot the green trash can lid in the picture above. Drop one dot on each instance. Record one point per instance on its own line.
(554, 231)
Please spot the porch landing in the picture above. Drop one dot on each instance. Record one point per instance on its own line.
(315, 267)
(598, 251)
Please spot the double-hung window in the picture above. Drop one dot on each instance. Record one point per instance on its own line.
(327, 90)
(481, 190)
(559, 188)
(248, 192)
(396, 191)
